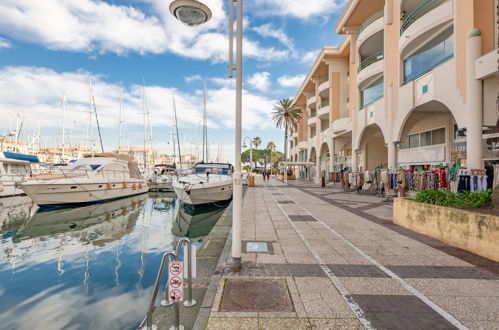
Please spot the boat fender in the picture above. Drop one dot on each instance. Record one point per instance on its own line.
(125, 185)
(109, 186)
(1, 187)
(134, 186)
(140, 185)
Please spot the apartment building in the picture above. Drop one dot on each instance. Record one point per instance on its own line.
(414, 83)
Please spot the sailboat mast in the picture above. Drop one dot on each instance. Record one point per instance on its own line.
(63, 125)
(205, 133)
(89, 128)
(176, 129)
(144, 122)
(120, 119)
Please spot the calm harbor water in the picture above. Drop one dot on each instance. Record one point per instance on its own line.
(91, 267)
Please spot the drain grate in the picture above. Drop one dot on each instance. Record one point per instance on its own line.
(302, 218)
(256, 296)
(285, 202)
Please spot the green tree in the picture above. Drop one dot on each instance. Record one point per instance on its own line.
(271, 146)
(286, 114)
(257, 141)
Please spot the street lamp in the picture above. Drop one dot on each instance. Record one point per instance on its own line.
(192, 13)
(251, 151)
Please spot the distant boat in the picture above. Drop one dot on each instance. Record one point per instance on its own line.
(161, 178)
(14, 168)
(208, 183)
(93, 179)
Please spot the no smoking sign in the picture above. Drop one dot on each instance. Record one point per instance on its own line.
(176, 281)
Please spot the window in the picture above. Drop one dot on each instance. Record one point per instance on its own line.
(371, 93)
(430, 55)
(438, 136)
(414, 141)
(423, 139)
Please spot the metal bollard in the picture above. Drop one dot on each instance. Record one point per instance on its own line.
(189, 302)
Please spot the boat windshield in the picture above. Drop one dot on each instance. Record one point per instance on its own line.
(211, 170)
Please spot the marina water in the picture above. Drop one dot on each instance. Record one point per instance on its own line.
(92, 267)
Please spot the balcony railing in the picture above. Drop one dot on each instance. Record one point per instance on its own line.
(324, 103)
(422, 9)
(372, 18)
(370, 60)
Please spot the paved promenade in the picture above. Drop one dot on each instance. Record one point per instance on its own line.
(333, 260)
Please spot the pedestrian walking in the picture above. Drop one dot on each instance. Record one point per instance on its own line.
(268, 176)
(323, 179)
(263, 175)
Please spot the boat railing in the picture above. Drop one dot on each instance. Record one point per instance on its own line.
(52, 174)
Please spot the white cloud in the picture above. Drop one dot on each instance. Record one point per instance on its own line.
(94, 26)
(29, 91)
(260, 81)
(270, 31)
(4, 43)
(291, 81)
(298, 8)
(193, 78)
(309, 57)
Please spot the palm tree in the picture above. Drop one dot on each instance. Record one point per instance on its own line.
(271, 146)
(257, 141)
(286, 114)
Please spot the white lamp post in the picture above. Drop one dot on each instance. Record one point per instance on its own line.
(251, 151)
(192, 13)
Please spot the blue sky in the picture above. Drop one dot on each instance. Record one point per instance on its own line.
(54, 46)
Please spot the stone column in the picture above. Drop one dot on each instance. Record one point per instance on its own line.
(474, 111)
(392, 150)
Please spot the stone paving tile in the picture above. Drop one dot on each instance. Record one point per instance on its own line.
(340, 324)
(235, 323)
(283, 323)
(456, 287)
(455, 272)
(470, 308)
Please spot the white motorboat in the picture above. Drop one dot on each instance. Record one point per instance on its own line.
(161, 178)
(93, 179)
(13, 169)
(208, 183)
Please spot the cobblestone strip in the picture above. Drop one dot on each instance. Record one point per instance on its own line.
(357, 311)
(390, 273)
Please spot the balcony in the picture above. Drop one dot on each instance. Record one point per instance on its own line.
(294, 135)
(323, 89)
(311, 102)
(324, 111)
(342, 125)
(312, 121)
(372, 25)
(370, 69)
(302, 145)
(422, 23)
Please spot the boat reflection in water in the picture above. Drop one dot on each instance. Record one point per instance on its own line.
(91, 267)
(13, 212)
(98, 223)
(197, 221)
(163, 201)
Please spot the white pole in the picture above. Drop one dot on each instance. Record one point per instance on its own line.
(120, 119)
(238, 187)
(251, 156)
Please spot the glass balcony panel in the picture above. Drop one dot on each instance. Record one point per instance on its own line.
(438, 136)
(414, 141)
(434, 53)
(425, 139)
(372, 93)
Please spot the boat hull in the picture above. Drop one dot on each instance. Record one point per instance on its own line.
(79, 194)
(8, 188)
(203, 193)
(160, 186)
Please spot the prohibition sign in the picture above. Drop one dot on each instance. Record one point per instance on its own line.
(175, 282)
(175, 268)
(175, 295)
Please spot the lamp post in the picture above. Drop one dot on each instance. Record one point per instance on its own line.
(251, 151)
(192, 13)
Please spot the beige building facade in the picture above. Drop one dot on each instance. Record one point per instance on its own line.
(414, 83)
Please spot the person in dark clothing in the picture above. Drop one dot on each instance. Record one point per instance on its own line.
(268, 176)
(263, 175)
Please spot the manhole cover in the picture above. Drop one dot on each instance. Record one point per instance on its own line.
(256, 296)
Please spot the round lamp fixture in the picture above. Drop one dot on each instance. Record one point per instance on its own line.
(190, 12)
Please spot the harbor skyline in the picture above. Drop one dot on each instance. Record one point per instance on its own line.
(38, 65)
